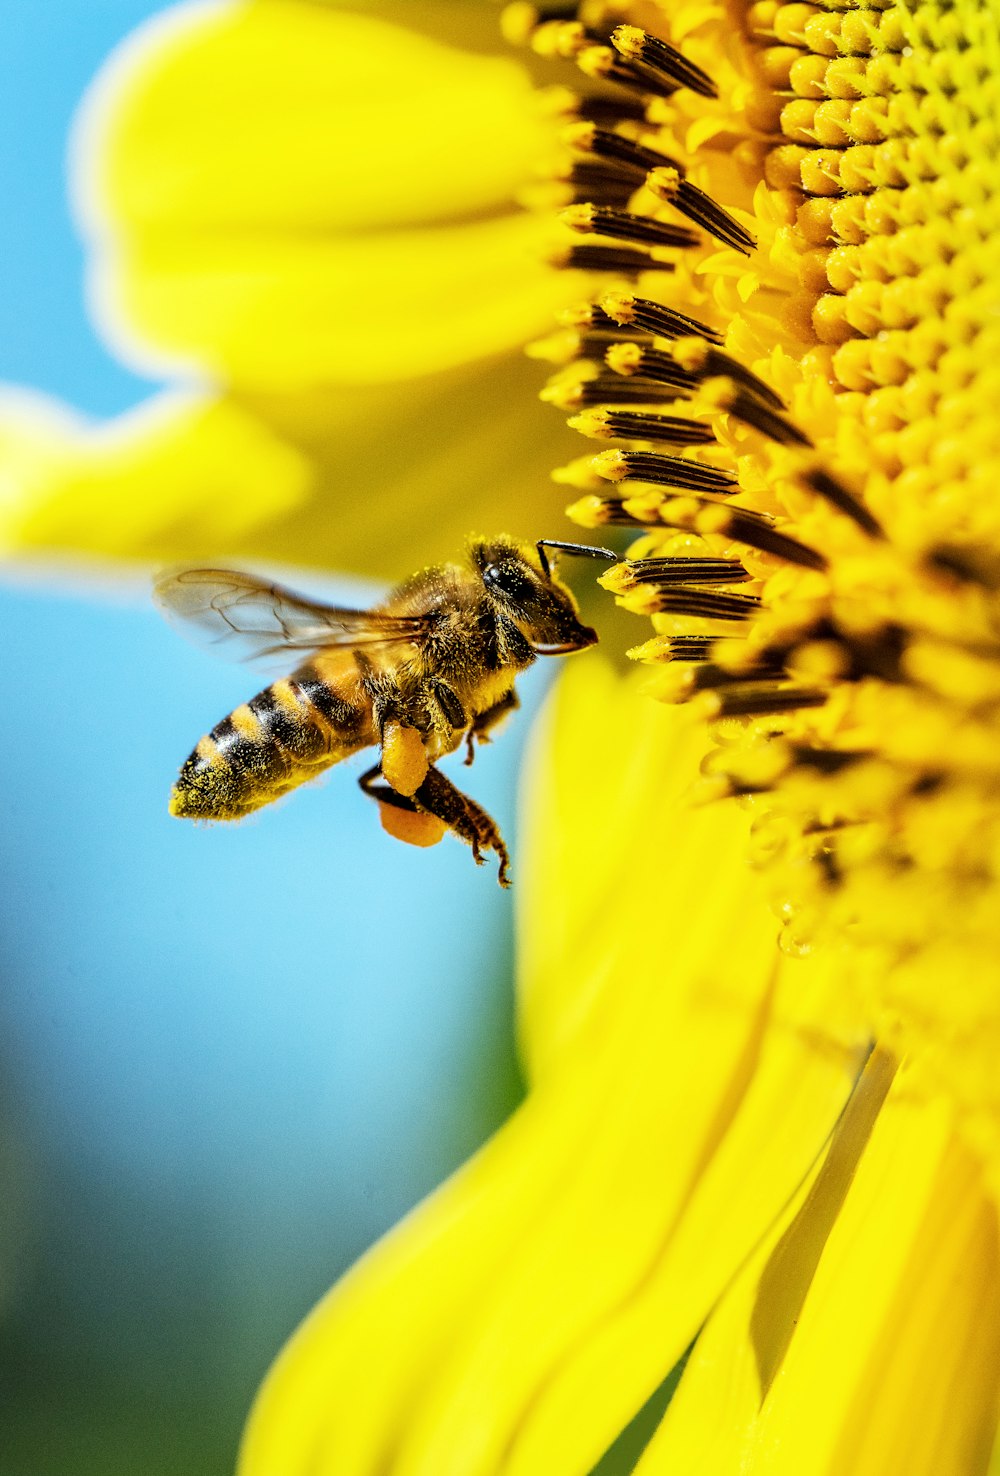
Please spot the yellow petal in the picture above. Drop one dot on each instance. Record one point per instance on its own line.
(526, 1311)
(232, 218)
(181, 470)
(366, 480)
(895, 1359)
(280, 192)
(285, 114)
(282, 310)
(890, 1351)
(402, 475)
(592, 820)
(710, 1422)
(772, 1108)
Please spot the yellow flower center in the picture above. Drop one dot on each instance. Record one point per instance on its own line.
(795, 352)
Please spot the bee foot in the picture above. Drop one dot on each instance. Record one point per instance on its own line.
(438, 796)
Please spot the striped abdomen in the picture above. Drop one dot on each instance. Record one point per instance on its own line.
(285, 735)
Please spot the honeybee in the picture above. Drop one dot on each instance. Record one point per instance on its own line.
(431, 667)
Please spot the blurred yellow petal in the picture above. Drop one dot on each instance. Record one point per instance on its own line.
(289, 310)
(531, 1306)
(322, 479)
(282, 193)
(134, 485)
(403, 475)
(255, 115)
(314, 207)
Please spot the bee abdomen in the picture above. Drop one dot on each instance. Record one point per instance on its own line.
(284, 736)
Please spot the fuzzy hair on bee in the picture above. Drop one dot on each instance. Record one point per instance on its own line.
(430, 668)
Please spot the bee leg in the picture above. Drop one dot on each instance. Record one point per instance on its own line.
(384, 793)
(447, 700)
(439, 797)
(487, 720)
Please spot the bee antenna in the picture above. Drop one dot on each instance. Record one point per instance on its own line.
(587, 550)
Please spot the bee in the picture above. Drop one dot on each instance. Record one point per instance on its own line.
(431, 667)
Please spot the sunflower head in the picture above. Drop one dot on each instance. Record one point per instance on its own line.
(792, 351)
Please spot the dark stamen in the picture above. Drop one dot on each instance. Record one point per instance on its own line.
(569, 344)
(744, 527)
(606, 512)
(669, 184)
(687, 362)
(598, 220)
(591, 315)
(609, 110)
(708, 362)
(756, 699)
(642, 49)
(608, 259)
(836, 494)
(704, 604)
(664, 322)
(591, 180)
(747, 407)
(663, 471)
(677, 570)
(625, 152)
(711, 678)
(629, 358)
(829, 760)
(876, 653)
(631, 425)
(606, 65)
(690, 648)
(606, 389)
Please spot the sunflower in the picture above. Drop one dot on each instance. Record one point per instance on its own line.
(745, 1219)
(753, 1185)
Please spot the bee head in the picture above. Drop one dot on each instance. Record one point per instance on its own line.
(520, 585)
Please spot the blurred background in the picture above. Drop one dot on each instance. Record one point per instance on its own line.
(230, 1057)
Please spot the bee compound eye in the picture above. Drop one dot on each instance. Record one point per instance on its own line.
(506, 578)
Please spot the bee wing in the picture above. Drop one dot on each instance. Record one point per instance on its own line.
(247, 619)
